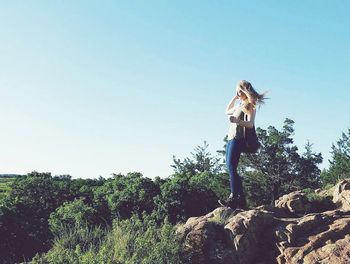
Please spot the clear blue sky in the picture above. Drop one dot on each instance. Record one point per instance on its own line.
(90, 88)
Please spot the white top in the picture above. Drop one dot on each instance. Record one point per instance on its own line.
(236, 131)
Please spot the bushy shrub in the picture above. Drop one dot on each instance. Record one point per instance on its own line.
(135, 240)
(180, 199)
(71, 214)
(126, 195)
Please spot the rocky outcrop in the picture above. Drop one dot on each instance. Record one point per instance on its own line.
(315, 238)
(341, 194)
(297, 229)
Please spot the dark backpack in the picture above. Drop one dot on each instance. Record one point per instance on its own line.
(251, 141)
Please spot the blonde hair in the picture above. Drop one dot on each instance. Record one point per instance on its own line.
(253, 97)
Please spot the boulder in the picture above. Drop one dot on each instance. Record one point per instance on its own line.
(289, 231)
(315, 238)
(294, 203)
(206, 240)
(249, 236)
(341, 194)
(226, 236)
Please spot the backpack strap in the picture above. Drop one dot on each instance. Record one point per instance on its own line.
(244, 119)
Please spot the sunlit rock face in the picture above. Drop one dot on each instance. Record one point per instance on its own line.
(293, 230)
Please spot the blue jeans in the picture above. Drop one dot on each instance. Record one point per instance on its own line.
(233, 152)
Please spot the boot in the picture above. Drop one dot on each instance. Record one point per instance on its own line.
(229, 202)
(241, 202)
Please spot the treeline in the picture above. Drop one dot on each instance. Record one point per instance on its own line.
(9, 175)
(129, 218)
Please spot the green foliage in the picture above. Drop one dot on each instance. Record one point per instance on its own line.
(218, 183)
(218, 220)
(137, 241)
(319, 203)
(311, 195)
(181, 198)
(340, 163)
(202, 161)
(128, 219)
(277, 167)
(75, 244)
(328, 185)
(5, 187)
(5, 183)
(71, 214)
(126, 195)
(133, 240)
(256, 186)
(25, 214)
(25, 211)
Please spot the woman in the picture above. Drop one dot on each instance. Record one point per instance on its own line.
(240, 116)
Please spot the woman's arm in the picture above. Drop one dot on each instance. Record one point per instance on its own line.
(229, 108)
(249, 123)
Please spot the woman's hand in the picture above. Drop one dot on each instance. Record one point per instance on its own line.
(229, 108)
(233, 119)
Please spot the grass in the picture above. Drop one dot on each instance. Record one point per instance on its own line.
(5, 186)
(128, 241)
(320, 203)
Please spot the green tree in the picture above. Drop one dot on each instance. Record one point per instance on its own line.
(25, 211)
(24, 215)
(181, 198)
(308, 171)
(339, 167)
(218, 183)
(202, 161)
(125, 195)
(277, 168)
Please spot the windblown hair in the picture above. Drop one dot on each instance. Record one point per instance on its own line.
(253, 97)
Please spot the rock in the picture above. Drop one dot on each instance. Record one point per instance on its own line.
(341, 194)
(236, 238)
(206, 240)
(286, 232)
(327, 192)
(248, 234)
(315, 238)
(318, 190)
(294, 203)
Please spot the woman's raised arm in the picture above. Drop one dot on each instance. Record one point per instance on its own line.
(229, 108)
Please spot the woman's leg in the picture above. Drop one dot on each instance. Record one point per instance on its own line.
(233, 152)
(228, 158)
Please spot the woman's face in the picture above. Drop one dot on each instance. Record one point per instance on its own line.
(241, 94)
